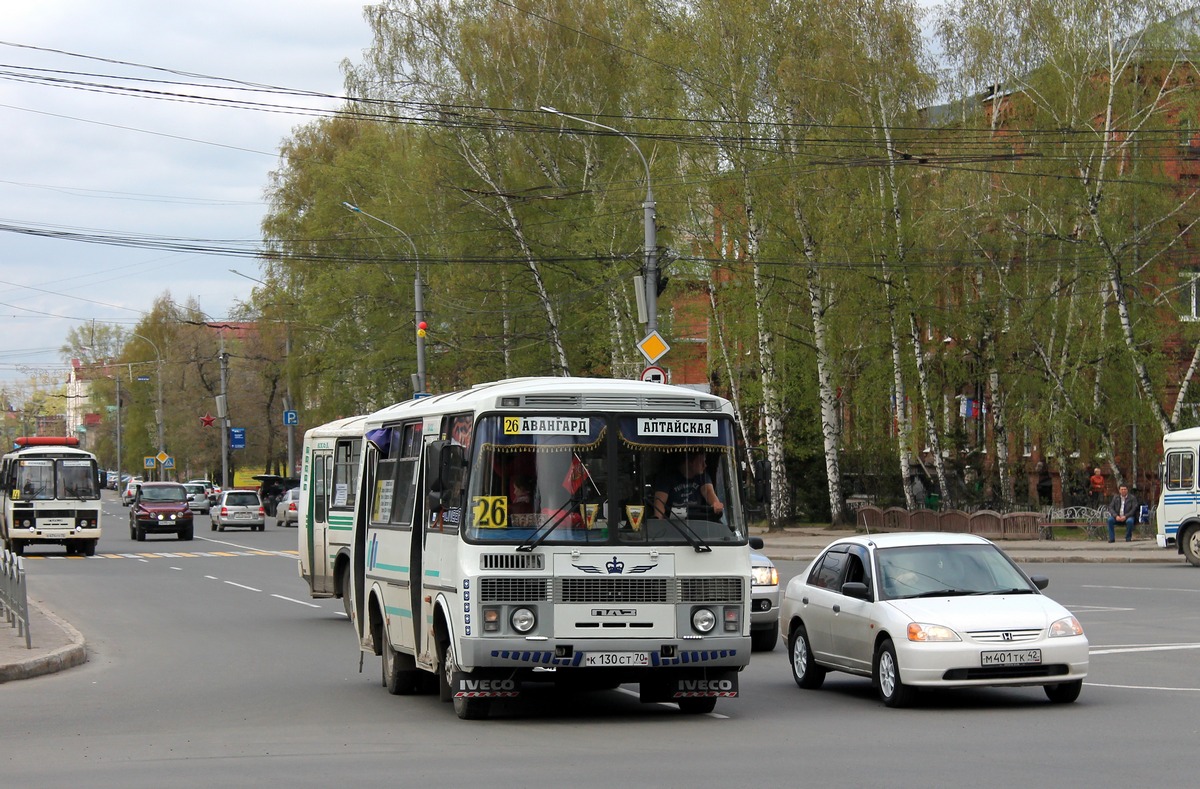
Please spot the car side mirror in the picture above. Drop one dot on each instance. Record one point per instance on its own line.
(1040, 581)
(856, 589)
(756, 543)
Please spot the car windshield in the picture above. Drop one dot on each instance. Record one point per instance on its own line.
(163, 494)
(194, 490)
(942, 570)
(597, 479)
(241, 500)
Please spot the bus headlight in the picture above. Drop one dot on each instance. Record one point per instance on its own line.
(703, 620)
(522, 620)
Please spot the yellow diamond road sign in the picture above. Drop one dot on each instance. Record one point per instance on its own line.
(653, 347)
(162, 457)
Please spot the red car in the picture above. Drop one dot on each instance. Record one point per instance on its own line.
(160, 508)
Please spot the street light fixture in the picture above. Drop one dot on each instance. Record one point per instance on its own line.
(418, 296)
(158, 414)
(650, 240)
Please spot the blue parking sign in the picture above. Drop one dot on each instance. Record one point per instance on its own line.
(291, 417)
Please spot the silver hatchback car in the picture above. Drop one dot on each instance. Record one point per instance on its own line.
(238, 508)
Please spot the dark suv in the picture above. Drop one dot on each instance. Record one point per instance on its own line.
(160, 508)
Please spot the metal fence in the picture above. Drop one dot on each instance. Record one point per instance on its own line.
(14, 603)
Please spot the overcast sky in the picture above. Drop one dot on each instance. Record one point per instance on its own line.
(86, 162)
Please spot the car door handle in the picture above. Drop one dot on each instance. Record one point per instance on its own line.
(837, 609)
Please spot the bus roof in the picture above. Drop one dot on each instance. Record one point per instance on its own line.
(1187, 435)
(347, 426)
(561, 393)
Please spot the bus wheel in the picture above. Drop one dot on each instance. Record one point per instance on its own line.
(399, 672)
(698, 706)
(18, 547)
(1190, 543)
(89, 548)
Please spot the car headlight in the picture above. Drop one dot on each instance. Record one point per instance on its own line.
(1068, 626)
(703, 620)
(920, 631)
(522, 620)
(764, 576)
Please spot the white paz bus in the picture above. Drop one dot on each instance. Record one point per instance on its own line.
(1178, 512)
(51, 495)
(518, 532)
(328, 486)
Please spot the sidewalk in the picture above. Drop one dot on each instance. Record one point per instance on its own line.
(57, 645)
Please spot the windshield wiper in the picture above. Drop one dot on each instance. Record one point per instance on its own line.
(1015, 590)
(689, 534)
(944, 593)
(542, 532)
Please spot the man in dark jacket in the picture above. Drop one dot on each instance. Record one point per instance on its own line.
(1122, 509)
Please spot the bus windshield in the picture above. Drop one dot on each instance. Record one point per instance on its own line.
(601, 479)
(61, 478)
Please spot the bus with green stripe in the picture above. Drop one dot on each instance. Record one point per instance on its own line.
(519, 532)
(328, 486)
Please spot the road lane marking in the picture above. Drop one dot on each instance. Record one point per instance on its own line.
(1140, 687)
(293, 600)
(1120, 650)
(242, 586)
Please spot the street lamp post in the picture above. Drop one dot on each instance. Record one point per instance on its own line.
(650, 269)
(158, 414)
(418, 295)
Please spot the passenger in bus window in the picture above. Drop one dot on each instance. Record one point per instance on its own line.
(520, 495)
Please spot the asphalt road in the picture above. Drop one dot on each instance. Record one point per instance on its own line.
(217, 670)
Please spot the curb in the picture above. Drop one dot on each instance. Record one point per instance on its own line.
(60, 659)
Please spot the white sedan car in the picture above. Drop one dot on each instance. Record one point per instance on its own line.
(929, 610)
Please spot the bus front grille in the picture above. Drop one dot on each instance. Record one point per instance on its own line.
(613, 590)
(710, 590)
(514, 590)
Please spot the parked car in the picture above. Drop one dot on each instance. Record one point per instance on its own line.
(929, 610)
(240, 508)
(130, 490)
(213, 490)
(160, 508)
(287, 512)
(764, 603)
(197, 497)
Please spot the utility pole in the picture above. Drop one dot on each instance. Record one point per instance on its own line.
(223, 415)
(120, 488)
(287, 403)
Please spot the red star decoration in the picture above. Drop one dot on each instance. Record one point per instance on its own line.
(207, 420)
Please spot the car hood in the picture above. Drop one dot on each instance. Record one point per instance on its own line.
(163, 506)
(982, 612)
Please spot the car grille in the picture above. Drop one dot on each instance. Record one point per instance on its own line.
(1005, 636)
(1006, 672)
